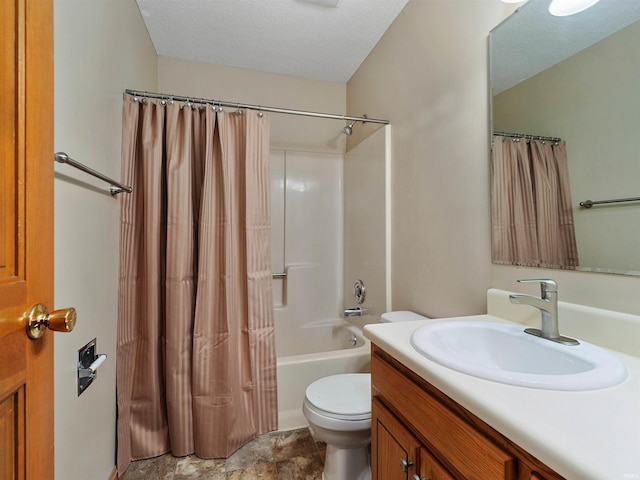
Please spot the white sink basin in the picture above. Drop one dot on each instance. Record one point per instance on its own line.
(503, 353)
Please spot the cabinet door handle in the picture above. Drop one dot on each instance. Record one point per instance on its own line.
(416, 477)
(405, 464)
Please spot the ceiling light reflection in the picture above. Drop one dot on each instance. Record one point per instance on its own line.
(562, 8)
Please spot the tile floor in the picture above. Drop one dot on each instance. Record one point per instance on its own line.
(293, 455)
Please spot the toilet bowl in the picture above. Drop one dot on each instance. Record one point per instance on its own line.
(338, 408)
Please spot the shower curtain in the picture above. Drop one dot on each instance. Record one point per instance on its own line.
(196, 368)
(531, 209)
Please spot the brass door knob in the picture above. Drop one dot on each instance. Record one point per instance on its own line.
(39, 319)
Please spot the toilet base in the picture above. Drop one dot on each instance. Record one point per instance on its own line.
(347, 464)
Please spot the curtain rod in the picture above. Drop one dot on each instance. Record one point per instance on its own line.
(260, 108)
(528, 137)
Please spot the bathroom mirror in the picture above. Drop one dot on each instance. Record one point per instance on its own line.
(578, 78)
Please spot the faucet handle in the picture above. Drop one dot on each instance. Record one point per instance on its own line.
(546, 285)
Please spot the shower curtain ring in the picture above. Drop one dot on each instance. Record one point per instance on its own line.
(238, 111)
(260, 114)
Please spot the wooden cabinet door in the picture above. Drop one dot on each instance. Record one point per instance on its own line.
(393, 448)
(26, 237)
(430, 468)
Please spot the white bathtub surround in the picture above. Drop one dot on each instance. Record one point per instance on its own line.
(309, 235)
(312, 341)
(587, 435)
(302, 308)
(306, 233)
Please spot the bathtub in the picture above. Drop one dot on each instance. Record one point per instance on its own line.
(313, 352)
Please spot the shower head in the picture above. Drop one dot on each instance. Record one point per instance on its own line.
(348, 130)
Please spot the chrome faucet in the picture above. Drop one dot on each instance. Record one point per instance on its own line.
(548, 306)
(356, 312)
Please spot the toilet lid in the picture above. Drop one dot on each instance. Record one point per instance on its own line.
(347, 395)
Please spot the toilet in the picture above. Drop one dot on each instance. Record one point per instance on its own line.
(338, 408)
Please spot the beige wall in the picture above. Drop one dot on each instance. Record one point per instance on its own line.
(592, 101)
(101, 47)
(428, 75)
(288, 132)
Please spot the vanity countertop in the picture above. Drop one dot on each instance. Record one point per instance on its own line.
(581, 435)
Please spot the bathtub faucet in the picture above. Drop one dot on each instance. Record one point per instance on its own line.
(357, 312)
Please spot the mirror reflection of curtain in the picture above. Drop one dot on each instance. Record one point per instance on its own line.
(531, 204)
(196, 367)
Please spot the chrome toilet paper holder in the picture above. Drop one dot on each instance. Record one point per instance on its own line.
(88, 364)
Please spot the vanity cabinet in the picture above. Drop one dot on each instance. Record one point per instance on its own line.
(420, 433)
(399, 455)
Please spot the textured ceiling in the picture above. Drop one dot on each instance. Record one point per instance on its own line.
(532, 40)
(303, 38)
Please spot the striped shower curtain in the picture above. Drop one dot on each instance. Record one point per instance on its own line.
(531, 211)
(196, 370)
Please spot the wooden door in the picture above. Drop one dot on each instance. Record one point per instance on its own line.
(26, 237)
